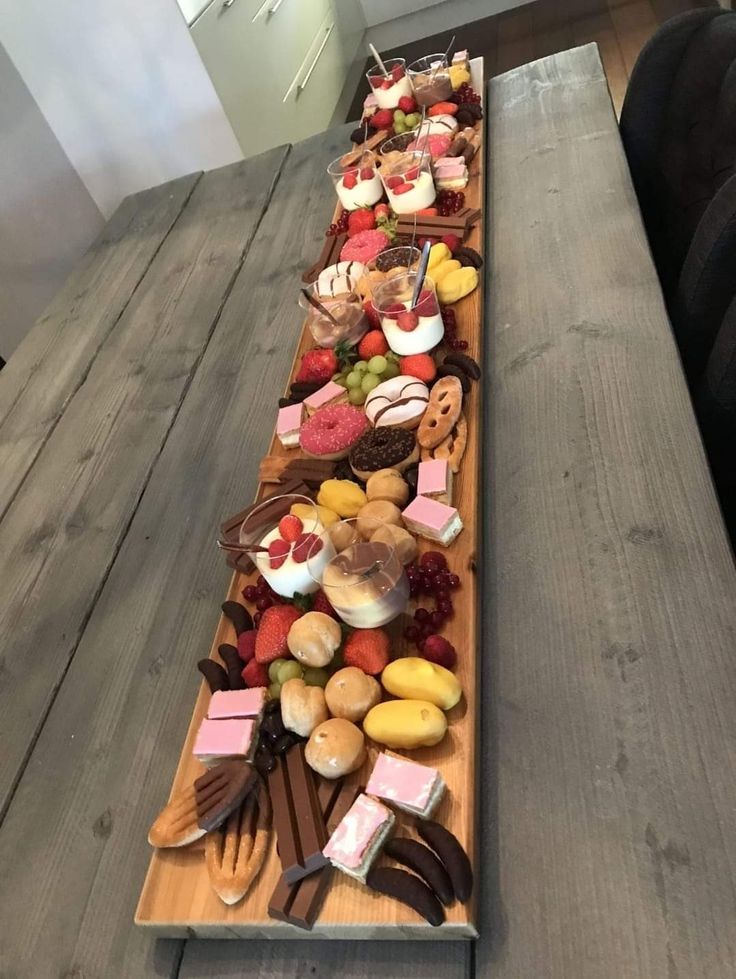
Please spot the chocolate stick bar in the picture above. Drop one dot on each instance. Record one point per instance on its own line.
(284, 817)
(309, 818)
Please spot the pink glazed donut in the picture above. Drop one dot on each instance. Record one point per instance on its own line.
(332, 431)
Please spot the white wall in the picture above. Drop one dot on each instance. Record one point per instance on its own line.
(123, 89)
(47, 218)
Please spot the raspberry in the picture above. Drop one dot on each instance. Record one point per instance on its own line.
(278, 551)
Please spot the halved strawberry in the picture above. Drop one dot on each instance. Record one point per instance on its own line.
(407, 321)
(397, 73)
(349, 180)
(367, 173)
(394, 181)
(426, 304)
(402, 188)
(290, 527)
(278, 551)
(412, 174)
(306, 547)
(392, 311)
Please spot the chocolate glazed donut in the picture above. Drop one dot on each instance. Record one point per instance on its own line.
(387, 447)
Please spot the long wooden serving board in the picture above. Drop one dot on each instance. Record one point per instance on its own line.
(177, 900)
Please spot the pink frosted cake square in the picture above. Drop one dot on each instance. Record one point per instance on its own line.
(360, 835)
(432, 520)
(329, 394)
(288, 423)
(223, 739)
(434, 479)
(237, 703)
(408, 785)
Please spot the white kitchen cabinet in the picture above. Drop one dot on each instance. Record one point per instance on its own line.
(278, 66)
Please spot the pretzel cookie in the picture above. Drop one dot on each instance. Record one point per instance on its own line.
(443, 411)
(452, 448)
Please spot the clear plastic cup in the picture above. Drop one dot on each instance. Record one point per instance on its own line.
(364, 581)
(408, 329)
(397, 144)
(430, 78)
(408, 182)
(388, 89)
(291, 575)
(358, 185)
(347, 320)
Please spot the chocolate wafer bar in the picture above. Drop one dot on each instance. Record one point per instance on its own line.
(300, 825)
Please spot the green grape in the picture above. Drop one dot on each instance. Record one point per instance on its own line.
(377, 364)
(340, 379)
(314, 677)
(369, 382)
(273, 670)
(291, 670)
(392, 370)
(391, 356)
(399, 115)
(353, 379)
(361, 365)
(356, 396)
(274, 691)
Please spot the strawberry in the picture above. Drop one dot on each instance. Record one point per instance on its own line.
(375, 81)
(412, 174)
(383, 119)
(247, 645)
(452, 242)
(290, 527)
(426, 304)
(372, 315)
(349, 180)
(428, 212)
(402, 188)
(432, 241)
(307, 545)
(317, 366)
(278, 551)
(407, 320)
(393, 311)
(386, 84)
(367, 173)
(407, 104)
(442, 109)
(273, 630)
(361, 220)
(255, 674)
(397, 73)
(419, 365)
(368, 649)
(320, 604)
(394, 181)
(382, 212)
(373, 344)
(438, 650)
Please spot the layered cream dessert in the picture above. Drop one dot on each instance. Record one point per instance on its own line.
(366, 584)
(408, 182)
(409, 330)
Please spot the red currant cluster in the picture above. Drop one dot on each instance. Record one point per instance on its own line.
(466, 93)
(431, 577)
(338, 227)
(263, 596)
(450, 323)
(449, 202)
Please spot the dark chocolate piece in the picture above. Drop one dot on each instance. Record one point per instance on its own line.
(233, 665)
(312, 832)
(239, 616)
(408, 889)
(468, 256)
(221, 790)
(458, 145)
(419, 858)
(272, 725)
(465, 363)
(411, 475)
(450, 370)
(215, 675)
(284, 742)
(284, 818)
(452, 855)
(264, 761)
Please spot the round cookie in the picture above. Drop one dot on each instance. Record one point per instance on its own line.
(387, 484)
(399, 401)
(382, 448)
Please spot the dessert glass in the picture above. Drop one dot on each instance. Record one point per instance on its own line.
(408, 329)
(407, 178)
(430, 77)
(350, 322)
(261, 526)
(364, 581)
(358, 185)
(398, 143)
(388, 89)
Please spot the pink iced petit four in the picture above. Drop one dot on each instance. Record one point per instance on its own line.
(237, 703)
(434, 479)
(360, 835)
(223, 739)
(432, 520)
(450, 172)
(408, 785)
(288, 423)
(328, 394)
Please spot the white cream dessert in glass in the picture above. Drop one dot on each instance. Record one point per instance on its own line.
(407, 178)
(358, 185)
(391, 86)
(291, 540)
(409, 329)
(365, 581)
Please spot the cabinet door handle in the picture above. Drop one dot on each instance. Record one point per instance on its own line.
(303, 84)
(275, 6)
(227, 3)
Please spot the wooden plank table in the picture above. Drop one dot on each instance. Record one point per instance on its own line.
(608, 810)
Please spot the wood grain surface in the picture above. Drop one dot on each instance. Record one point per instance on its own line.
(612, 591)
(52, 362)
(60, 536)
(177, 896)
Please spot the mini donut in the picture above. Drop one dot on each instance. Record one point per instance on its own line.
(332, 431)
(339, 278)
(387, 447)
(399, 401)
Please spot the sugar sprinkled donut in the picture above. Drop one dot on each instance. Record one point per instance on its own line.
(399, 401)
(331, 431)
